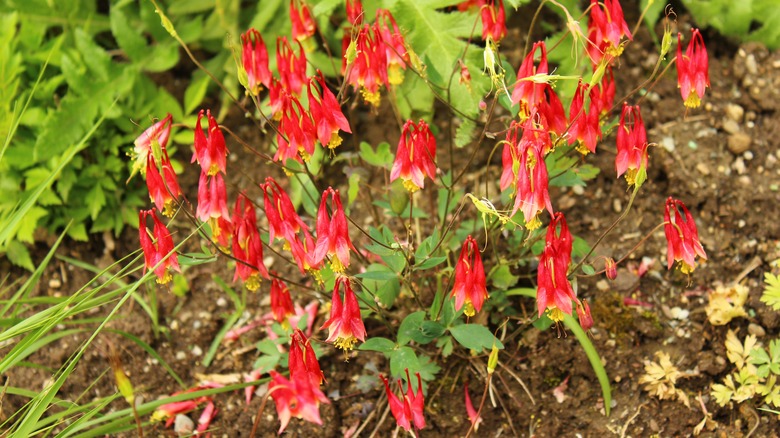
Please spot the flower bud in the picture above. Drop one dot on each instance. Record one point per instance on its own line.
(492, 360)
(610, 268)
(583, 314)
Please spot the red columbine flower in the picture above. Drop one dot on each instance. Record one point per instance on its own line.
(551, 114)
(554, 291)
(283, 221)
(157, 250)
(212, 205)
(296, 135)
(295, 398)
(302, 361)
(604, 94)
(368, 70)
(292, 69)
(254, 57)
(682, 237)
(410, 408)
(532, 182)
(415, 156)
(332, 233)
(510, 158)
(345, 324)
(144, 144)
(326, 113)
(692, 69)
(610, 268)
(247, 246)
(281, 302)
(395, 48)
(606, 27)
(469, 288)
(631, 156)
(493, 19)
(163, 188)
(354, 13)
(585, 127)
(527, 92)
(584, 316)
(302, 24)
(210, 152)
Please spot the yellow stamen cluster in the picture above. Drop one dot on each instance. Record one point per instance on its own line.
(345, 344)
(372, 98)
(410, 186)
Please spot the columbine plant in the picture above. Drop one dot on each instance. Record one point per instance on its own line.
(403, 264)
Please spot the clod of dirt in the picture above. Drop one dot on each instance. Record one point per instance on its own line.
(710, 363)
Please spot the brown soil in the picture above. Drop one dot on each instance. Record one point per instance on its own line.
(734, 197)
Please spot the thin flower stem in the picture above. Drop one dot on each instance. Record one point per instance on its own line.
(482, 402)
(631, 251)
(603, 235)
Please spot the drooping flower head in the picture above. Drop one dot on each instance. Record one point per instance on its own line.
(682, 236)
(345, 324)
(247, 246)
(158, 249)
(295, 398)
(528, 93)
(212, 206)
(585, 128)
(472, 413)
(283, 220)
(354, 13)
(693, 75)
(604, 94)
(254, 58)
(157, 134)
(163, 187)
(584, 316)
(493, 19)
(210, 152)
(367, 70)
(510, 158)
(554, 292)
(409, 408)
(632, 145)
(395, 46)
(415, 157)
(281, 301)
(302, 362)
(303, 25)
(332, 232)
(326, 113)
(533, 195)
(292, 69)
(296, 137)
(606, 28)
(469, 288)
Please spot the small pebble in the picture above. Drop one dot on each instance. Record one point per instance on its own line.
(668, 143)
(730, 126)
(617, 205)
(183, 425)
(741, 223)
(180, 355)
(751, 65)
(734, 112)
(702, 168)
(739, 165)
(221, 302)
(757, 330)
(197, 351)
(678, 313)
(55, 283)
(748, 155)
(578, 190)
(739, 142)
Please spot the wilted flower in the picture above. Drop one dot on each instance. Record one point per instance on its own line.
(682, 237)
(554, 293)
(631, 156)
(345, 323)
(469, 288)
(409, 409)
(254, 58)
(415, 156)
(692, 69)
(159, 249)
(332, 232)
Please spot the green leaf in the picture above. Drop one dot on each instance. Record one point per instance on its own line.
(402, 359)
(378, 272)
(128, 38)
(475, 337)
(382, 157)
(383, 345)
(588, 269)
(18, 254)
(96, 200)
(465, 133)
(771, 295)
(410, 327)
(430, 263)
(502, 278)
(195, 92)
